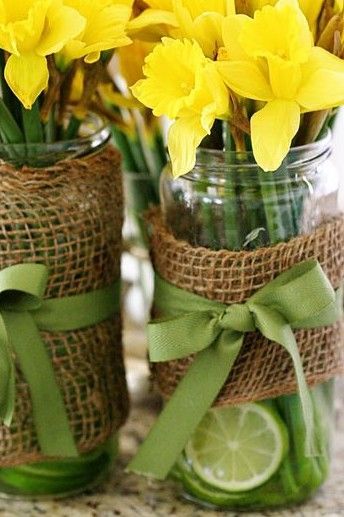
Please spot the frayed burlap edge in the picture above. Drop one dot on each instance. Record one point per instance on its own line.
(69, 217)
(263, 369)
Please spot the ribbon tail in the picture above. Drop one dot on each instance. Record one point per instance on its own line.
(7, 377)
(51, 422)
(312, 448)
(182, 414)
(274, 327)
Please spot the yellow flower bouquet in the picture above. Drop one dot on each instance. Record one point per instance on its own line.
(252, 90)
(54, 55)
(248, 72)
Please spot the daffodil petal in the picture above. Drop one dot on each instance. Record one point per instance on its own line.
(246, 79)
(272, 130)
(151, 18)
(65, 24)
(211, 90)
(184, 136)
(106, 28)
(7, 39)
(323, 81)
(231, 29)
(208, 32)
(27, 76)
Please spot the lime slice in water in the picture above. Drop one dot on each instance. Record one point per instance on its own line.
(238, 448)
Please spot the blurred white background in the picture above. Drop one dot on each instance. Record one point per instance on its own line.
(339, 150)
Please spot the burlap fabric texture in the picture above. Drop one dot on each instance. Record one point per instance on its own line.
(263, 369)
(69, 217)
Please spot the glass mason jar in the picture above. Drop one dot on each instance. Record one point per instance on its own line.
(66, 476)
(227, 202)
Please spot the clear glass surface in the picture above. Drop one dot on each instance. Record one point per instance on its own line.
(94, 134)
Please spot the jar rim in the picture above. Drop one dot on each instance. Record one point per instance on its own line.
(296, 157)
(95, 134)
(93, 139)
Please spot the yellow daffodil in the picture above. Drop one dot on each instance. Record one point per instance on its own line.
(272, 58)
(310, 8)
(200, 20)
(105, 28)
(30, 30)
(184, 85)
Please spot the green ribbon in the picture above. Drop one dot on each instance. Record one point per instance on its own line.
(23, 313)
(301, 298)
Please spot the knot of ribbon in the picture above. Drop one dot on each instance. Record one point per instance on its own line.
(23, 314)
(301, 298)
(237, 317)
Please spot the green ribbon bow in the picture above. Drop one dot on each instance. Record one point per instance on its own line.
(301, 298)
(23, 313)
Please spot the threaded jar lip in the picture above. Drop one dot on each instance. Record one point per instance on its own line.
(218, 162)
(213, 166)
(95, 134)
(296, 156)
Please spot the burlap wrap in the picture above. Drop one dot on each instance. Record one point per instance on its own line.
(263, 369)
(69, 217)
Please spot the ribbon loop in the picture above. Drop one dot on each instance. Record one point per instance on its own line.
(22, 287)
(299, 298)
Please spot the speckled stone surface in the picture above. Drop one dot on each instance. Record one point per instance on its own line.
(127, 495)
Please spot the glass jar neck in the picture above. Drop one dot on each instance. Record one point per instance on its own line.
(95, 133)
(217, 165)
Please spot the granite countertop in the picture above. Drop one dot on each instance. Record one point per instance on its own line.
(127, 495)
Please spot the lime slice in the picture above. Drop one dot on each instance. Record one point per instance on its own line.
(238, 448)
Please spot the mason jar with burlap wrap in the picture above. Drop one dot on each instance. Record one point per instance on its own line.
(247, 330)
(63, 390)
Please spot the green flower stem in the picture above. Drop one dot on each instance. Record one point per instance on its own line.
(138, 153)
(233, 224)
(73, 128)
(159, 159)
(8, 126)
(122, 143)
(254, 213)
(58, 477)
(32, 125)
(287, 208)
(232, 219)
(275, 225)
(10, 100)
(50, 128)
(306, 470)
(207, 215)
(161, 156)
